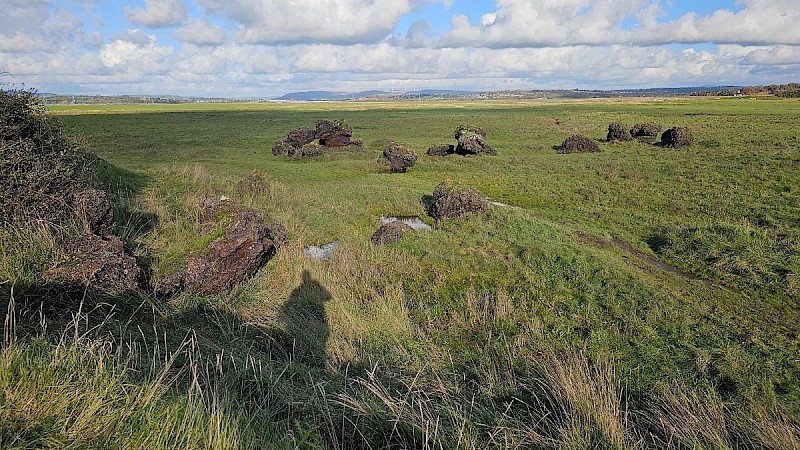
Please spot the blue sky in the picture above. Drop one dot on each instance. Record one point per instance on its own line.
(264, 48)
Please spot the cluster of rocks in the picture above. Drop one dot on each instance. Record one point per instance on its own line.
(244, 243)
(400, 157)
(648, 132)
(470, 141)
(304, 141)
(96, 259)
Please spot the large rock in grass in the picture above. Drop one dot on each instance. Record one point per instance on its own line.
(283, 148)
(472, 141)
(676, 137)
(301, 136)
(333, 134)
(578, 144)
(243, 242)
(400, 156)
(390, 233)
(646, 131)
(451, 201)
(233, 257)
(618, 132)
(441, 150)
(93, 208)
(100, 263)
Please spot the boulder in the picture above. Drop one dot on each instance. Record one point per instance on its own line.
(451, 200)
(577, 143)
(232, 258)
(95, 211)
(99, 263)
(213, 209)
(170, 284)
(300, 137)
(676, 137)
(400, 156)
(472, 143)
(441, 150)
(283, 148)
(469, 129)
(333, 134)
(618, 132)
(646, 131)
(311, 150)
(390, 233)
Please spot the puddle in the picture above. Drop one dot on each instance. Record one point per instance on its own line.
(322, 252)
(647, 259)
(501, 205)
(414, 222)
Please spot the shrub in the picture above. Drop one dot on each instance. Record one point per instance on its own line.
(41, 164)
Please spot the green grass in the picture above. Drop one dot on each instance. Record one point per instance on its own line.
(521, 328)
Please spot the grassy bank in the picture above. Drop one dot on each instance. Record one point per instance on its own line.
(526, 327)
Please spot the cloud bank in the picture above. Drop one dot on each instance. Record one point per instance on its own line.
(260, 48)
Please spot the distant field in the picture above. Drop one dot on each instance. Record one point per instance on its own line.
(537, 326)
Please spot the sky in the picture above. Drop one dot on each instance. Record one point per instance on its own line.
(265, 48)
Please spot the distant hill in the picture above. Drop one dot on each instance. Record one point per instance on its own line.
(327, 95)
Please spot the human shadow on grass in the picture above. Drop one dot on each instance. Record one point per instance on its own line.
(277, 373)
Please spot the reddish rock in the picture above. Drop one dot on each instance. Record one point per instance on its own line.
(300, 137)
(232, 258)
(400, 156)
(94, 209)
(100, 263)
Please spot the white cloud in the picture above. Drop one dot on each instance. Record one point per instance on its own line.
(136, 52)
(158, 13)
(549, 23)
(312, 21)
(201, 32)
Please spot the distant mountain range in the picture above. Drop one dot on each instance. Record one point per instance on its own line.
(335, 96)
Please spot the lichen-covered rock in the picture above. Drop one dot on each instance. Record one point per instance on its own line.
(214, 208)
(450, 200)
(94, 209)
(469, 129)
(283, 148)
(233, 257)
(618, 132)
(472, 142)
(441, 150)
(100, 263)
(400, 156)
(390, 233)
(646, 131)
(311, 150)
(676, 137)
(577, 143)
(301, 136)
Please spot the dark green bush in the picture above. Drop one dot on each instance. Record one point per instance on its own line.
(41, 165)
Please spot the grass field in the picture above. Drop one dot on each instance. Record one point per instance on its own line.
(549, 324)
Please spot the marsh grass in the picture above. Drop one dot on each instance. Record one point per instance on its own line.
(504, 330)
